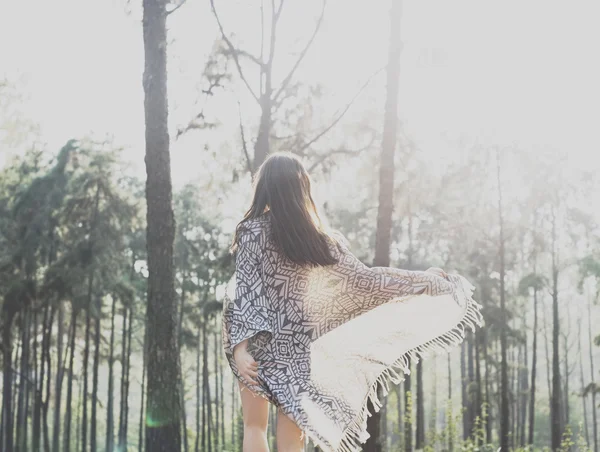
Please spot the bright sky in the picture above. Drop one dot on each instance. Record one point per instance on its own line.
(500, 72)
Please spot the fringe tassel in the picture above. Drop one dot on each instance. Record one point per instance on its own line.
(356, 433)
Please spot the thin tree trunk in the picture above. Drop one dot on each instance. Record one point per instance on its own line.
(217, 416)
(582, 383)
(204, 382)
(96, 366)
(110, 428)
(548, 361)
(533, 368)
(182, 392)
(221, 388)
(59, 379)
(163, 412)
(555, 410)
(386, 180)
(566, 417)
(48, 375)
(39, 385)
(78, 437)
(127, 377)
(449, 420)
(488, 405)
(434, 408)
(233, 412)
(524, 390)
(69, 403)
(408, 430)
(420, 427)
(121, 434)
(13, 403)
(22, 407)
(198, 400)
(463, 391)
(471, 408)
(141, 430)
(504, 403)
(7, 383)
(86, 357)
(206, 385)
(593, 376)
(400, 426)
(478, 404)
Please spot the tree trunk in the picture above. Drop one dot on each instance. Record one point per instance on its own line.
(206, 393)
(48, 375)
(420, 427)
(69, 403)
(110, 427)
(182, 392)
(533, 369)
(504, 403)
(262, 145)
(386, 179)
(233, 413)
(217, 393)
(204, 381)
(593, 376)
(555, 408)
(488, 423)
(524, 391)
(463, 390)
(198, 399)
(408, 407)
(96, 366)
(434, 407)
(7, 383)
(478, 403)
(471, 408)
(163, 412)
(121, 434)
(399, 394)
(449, 420)
(582, 383)
(59, 379)
(567, 414)
(23, 407)
(143, 394)
(86, 357)
(127, 379)
(39, 384)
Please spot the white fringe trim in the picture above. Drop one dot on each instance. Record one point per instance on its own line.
(356, 433)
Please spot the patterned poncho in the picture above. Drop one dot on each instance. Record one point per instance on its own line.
(326, 337)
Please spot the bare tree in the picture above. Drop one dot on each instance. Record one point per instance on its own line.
(386, 178)
(163, 412)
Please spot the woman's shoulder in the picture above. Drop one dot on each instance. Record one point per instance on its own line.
(254, 229)
(257, 224)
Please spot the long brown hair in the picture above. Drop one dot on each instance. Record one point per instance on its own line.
(282, 190)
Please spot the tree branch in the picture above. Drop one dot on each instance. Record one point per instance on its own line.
(352, 153)
(193, 124)
(233, 50)
(181, 3)
(340, 115)
(288, 77)
(240, 52)
(243, 135)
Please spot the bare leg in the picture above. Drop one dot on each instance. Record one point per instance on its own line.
(255, 410)
(289, 436)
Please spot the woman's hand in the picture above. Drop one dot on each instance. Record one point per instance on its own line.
(437, 271)
(245, 363)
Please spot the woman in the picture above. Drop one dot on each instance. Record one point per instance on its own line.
(314, 331)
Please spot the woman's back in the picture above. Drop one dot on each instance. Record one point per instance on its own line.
(324, 336)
